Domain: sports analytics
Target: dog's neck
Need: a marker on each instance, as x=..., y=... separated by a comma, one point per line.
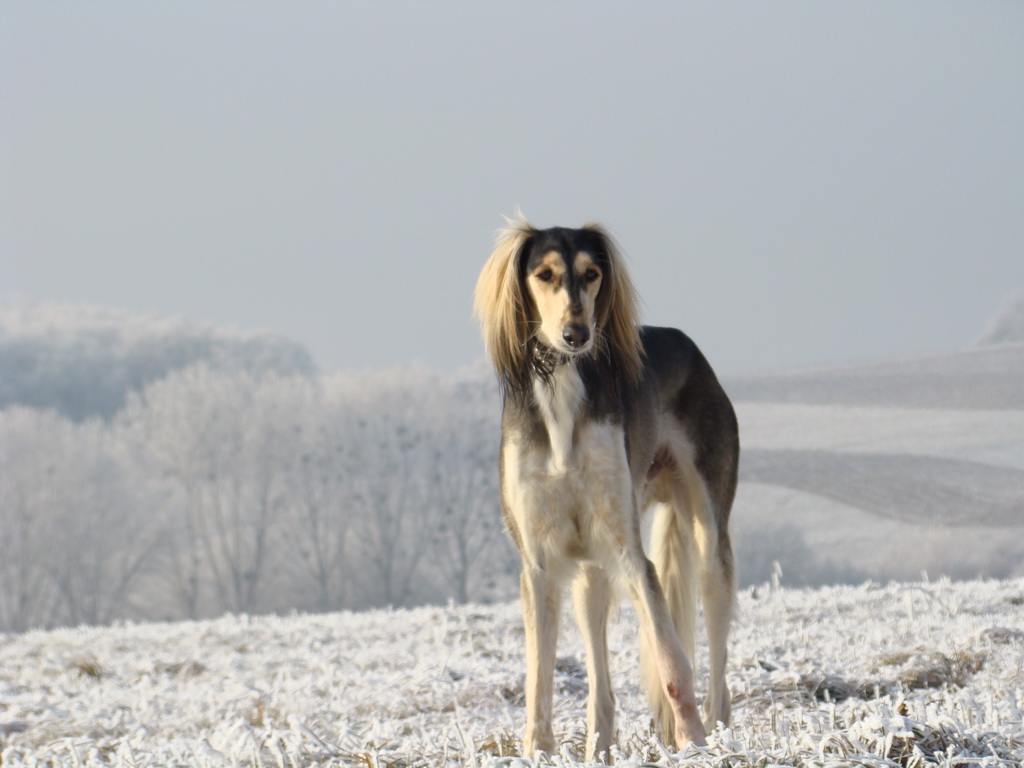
x=544, y=360
x=558, y=392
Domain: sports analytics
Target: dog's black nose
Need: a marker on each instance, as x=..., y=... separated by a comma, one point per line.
x=576, y=335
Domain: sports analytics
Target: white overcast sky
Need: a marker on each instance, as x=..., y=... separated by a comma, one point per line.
x=794, y=183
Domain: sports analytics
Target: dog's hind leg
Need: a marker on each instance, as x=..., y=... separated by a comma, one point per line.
x=672, y=554
x=592, y=597
x=717, y=590
x=541, y=598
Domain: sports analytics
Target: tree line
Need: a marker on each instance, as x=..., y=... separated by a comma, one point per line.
x=217, y=491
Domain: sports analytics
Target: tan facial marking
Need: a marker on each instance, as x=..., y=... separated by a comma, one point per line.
x=589, y=273
x=549, y=289
x=551, y=269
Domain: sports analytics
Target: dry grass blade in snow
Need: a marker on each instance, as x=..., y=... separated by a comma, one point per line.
x=903, y=675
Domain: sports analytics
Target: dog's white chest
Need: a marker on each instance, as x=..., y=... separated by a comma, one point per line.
x=559, y=401
x=582, y=513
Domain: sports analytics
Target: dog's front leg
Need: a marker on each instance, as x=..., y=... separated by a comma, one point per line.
x=541, y=605
x=592, y=594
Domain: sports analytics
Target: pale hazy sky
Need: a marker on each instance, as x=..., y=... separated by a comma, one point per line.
x=794, y=183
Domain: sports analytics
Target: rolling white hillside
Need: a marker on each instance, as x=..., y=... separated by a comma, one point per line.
x=889, y=469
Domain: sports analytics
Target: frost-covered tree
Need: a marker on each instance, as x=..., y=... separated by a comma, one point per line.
x=106, y=532
x=222, y=438
x=28, y=470
x=74, y=534
x=318, y=498
x=390, y=477
x=392, y=492
x=468, y=549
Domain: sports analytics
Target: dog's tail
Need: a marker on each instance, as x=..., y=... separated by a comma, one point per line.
x=672, y=553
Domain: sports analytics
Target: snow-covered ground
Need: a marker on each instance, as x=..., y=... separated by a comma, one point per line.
x=905, y=674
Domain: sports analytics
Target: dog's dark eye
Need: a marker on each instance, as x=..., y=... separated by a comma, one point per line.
x=591, y=275
x=545, y=276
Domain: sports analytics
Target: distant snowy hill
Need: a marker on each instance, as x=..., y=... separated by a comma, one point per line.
x=82, y=361
x=1007, y=326
x=892, y=467
x=983, y=378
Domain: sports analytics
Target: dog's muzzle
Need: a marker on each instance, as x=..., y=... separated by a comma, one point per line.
x=576, y=335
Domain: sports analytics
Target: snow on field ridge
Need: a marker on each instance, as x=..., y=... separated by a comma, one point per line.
x=908, y=674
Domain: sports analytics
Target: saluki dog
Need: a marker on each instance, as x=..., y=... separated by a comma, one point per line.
x=601, y=420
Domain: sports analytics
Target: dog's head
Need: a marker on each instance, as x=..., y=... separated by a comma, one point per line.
x=562, y=293
x=562, y=270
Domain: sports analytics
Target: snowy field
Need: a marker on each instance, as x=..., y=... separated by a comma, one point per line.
x=856, y=458
x=905, y=674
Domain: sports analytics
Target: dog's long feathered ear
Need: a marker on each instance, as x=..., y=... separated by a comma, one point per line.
x=617, y=311
x=499, y=304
